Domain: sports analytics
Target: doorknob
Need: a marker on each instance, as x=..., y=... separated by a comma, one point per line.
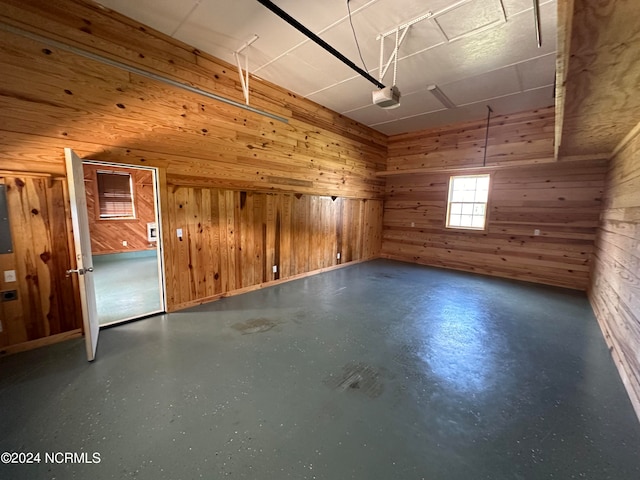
x=79, y=271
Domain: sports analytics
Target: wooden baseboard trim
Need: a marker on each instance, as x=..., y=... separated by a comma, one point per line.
x=239, y=291
x=40, y=342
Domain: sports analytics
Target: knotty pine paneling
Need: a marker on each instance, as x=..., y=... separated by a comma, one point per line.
x=107, y=234
x=518, y=139
x=615, y=284
x=207, y=152
x=47, y=302
x=562, y=200
x=232, y=239
x=52, y=99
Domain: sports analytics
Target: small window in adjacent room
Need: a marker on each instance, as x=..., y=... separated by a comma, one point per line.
x=467, y=205
x=115, y=195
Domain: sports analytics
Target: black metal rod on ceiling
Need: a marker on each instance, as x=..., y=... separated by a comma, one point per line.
x=486, y=136
x=536, y=15
x=312, y=36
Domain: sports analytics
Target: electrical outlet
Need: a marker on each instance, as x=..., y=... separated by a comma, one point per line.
x=338, y=256
x=179, y=232
x=413, y=224
x=9, y=276
x=0, y=326
x=275, y=269
x=536, y=232
x=124, y=243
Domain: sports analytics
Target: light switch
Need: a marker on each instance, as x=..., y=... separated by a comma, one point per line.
x=10, y=276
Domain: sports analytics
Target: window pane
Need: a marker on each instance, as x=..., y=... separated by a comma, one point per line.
x=469, y=196
x=482, y=196
x=478, y=222
x=114, y=195
x=483, y=183
x=458, y=183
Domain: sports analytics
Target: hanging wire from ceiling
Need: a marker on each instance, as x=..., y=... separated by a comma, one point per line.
x=355, y=36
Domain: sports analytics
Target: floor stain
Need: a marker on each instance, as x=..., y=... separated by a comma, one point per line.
x=357, y=377
x=256, y=325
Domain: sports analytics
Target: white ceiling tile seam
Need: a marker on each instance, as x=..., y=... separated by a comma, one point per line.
x=187, y=16
x=418, y=52
x=444, y=85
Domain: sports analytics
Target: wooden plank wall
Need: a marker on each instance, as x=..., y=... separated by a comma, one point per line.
x=107, y=234
x=562, y=200
x=47, y=300
x=232, y=239
x=520, y=139
x=615, y=287
x=51, y=98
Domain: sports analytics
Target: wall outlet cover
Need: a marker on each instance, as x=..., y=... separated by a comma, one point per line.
x=10, y=276
x=275, y=269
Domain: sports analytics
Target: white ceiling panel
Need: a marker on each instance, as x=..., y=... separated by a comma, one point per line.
x=163, y=15
x=419, y=103
x=491, y=60
x=486, y=86
x=532, y=99
x=471, y=16
x=537, y=72
x=346, y=96
x=236, y=22
x=308, y=77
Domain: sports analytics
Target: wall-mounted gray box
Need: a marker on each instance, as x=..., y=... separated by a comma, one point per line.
x=6, y=246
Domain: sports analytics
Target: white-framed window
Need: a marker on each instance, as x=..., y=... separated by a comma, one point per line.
x=115, y=195
x=467, y=203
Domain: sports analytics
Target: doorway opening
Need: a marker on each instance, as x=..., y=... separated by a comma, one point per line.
x=124, y=226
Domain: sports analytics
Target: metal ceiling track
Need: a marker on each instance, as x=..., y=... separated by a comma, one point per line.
x=315, y=38
x=138, y=71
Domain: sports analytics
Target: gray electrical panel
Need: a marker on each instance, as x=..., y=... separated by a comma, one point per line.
x=5, y=232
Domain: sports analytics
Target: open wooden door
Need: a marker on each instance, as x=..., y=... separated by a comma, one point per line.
x=82, y=241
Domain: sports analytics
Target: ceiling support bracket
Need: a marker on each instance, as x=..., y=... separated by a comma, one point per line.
x=244, y=73
x=384, y=67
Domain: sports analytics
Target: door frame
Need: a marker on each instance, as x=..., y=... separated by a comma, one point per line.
x=158, y=220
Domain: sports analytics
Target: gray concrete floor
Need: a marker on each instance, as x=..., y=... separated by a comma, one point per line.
x=126, y=286
x=381, y=370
